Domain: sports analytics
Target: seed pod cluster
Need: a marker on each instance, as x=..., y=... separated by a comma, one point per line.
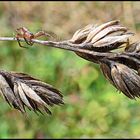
x=122, y=69
x=103, y=38
x=122, y=77
x=21, y=90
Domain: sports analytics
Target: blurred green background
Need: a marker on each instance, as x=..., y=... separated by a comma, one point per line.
x=93, y=108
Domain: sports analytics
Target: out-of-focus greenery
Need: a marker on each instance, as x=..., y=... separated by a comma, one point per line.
x=93, y=108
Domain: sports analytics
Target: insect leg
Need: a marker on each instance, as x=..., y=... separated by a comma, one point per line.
x=20, y=43
x=29, y=42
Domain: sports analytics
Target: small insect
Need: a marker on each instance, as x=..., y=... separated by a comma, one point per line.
x=23, y=32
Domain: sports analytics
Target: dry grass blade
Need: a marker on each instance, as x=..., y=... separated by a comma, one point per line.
x=21, y=90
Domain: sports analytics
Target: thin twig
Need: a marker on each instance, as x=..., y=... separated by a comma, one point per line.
x=66, y=45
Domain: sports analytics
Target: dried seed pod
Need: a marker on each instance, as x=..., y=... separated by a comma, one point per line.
x=108, y=36
x=111, y=42
x=81, y=34
x=122, y=77
x=103, y=38
x=134, y=47
x=104, y=29
x=21, y=90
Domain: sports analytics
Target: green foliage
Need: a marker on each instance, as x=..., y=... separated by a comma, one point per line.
x=93, y=108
